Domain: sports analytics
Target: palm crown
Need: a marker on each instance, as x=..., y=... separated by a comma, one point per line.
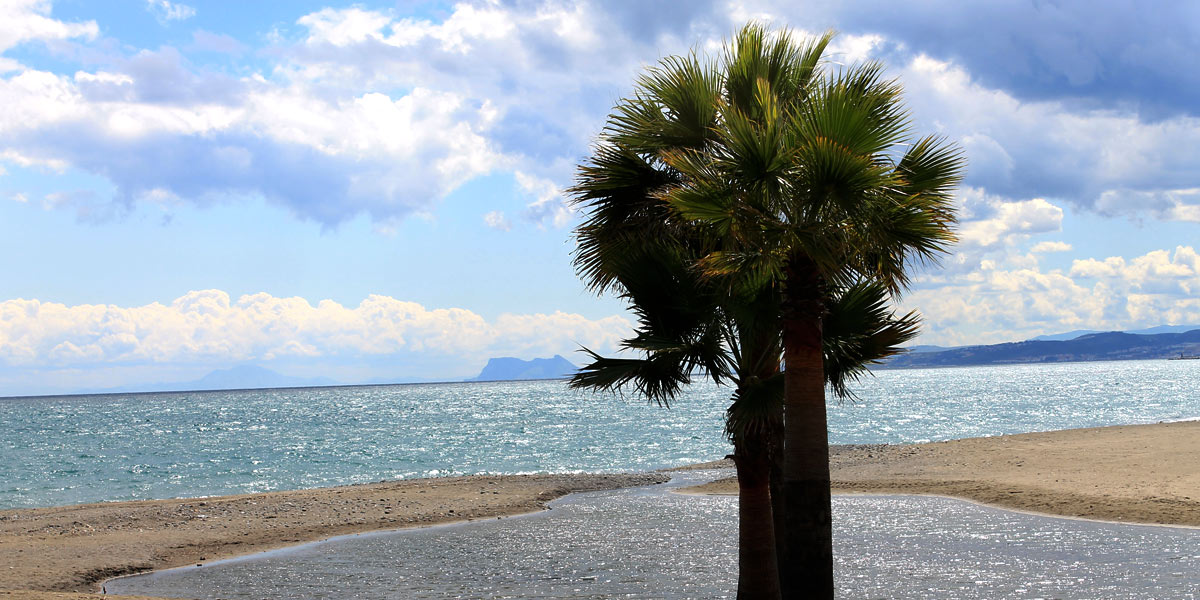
x=709, y=178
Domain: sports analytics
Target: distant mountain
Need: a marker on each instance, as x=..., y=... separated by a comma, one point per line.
x=244, y=377
x=507, y=369
x=1113, y=345
x=1062, y=337
x=251, y=377
x=1078, y=333
x=1165, y=329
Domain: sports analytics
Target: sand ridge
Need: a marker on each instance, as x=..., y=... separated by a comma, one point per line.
x=1134, y=473
x=75, y=548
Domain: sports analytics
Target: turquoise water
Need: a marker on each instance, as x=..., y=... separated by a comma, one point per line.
x=65, y=450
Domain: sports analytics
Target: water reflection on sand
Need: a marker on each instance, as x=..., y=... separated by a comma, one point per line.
x=648, y=542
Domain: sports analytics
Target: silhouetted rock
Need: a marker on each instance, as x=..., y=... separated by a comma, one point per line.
x=508, y=369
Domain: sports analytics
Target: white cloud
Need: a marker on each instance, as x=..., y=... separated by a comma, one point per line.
x=549, y=72
x=29, y=20
x=1168, y=205
x=1055, y=246
x=549, y=205
x=849, y=49
x=166, y=11
x=87, y=206
x=520, y=87
x=466, y=26
x=497, y=220
x=1107, y=160
x=991, y=230
x=344, y=27
x=489, y=88
x=1007, y=222
x=325, y=159
x=1007, y=302
x=208, y=327
x=1155, y=272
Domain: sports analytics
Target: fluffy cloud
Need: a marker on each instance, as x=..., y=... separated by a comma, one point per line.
x=370, y=111
x=1164, y=204
x=1044, y=247
x=549, y=205
x=154, y=122
x=1157, y=272
x=1120, y=54
x=204, y=141
x=992, y=230
x=28, y=20
x=1108, y=160
x=166, y=11
x=989, y=221
x=208, y=327
x=550, y=71
x=1003, y=302
x=497, y=220
x=364, y=111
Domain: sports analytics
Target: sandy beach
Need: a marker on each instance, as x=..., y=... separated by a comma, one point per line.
x=1136, y=473
x=1143, y=473
x=47, y=552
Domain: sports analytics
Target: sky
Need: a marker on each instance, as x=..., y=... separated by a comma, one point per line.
x=375, y=190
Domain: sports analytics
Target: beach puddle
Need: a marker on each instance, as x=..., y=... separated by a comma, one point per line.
x=649, y=543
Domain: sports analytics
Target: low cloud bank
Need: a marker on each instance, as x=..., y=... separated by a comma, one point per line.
x=209, y=327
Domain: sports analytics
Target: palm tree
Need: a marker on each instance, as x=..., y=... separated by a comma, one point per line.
x=684, y=329
x=703, y=302
x=809, y=190
x=633, y=244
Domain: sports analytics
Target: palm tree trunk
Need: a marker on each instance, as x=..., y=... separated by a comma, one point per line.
x=758, y=573
x=808, y=571
x=778, y=502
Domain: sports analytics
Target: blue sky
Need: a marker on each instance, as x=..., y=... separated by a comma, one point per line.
x=373, y=190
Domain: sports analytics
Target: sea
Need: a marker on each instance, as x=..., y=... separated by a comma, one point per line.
x=74, y=449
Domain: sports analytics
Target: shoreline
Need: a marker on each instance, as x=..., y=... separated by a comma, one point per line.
x=67, y=552
x=1123, y=474
x=1132, y=474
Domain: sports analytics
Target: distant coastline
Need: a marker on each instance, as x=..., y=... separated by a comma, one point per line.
x=1090, y=347
x=1155, y=343
x=290, y=387
x=254, y=377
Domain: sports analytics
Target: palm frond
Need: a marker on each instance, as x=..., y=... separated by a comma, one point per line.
x=658, y=380
x=715, y=181
x=756, y=407
x=859, y=330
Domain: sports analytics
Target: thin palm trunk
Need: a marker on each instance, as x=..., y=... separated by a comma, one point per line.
x=808, y=571
x=758, y=573
x=778, y=502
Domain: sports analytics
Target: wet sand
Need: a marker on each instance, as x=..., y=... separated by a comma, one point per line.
x=76, y=548
x=1135, y=474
